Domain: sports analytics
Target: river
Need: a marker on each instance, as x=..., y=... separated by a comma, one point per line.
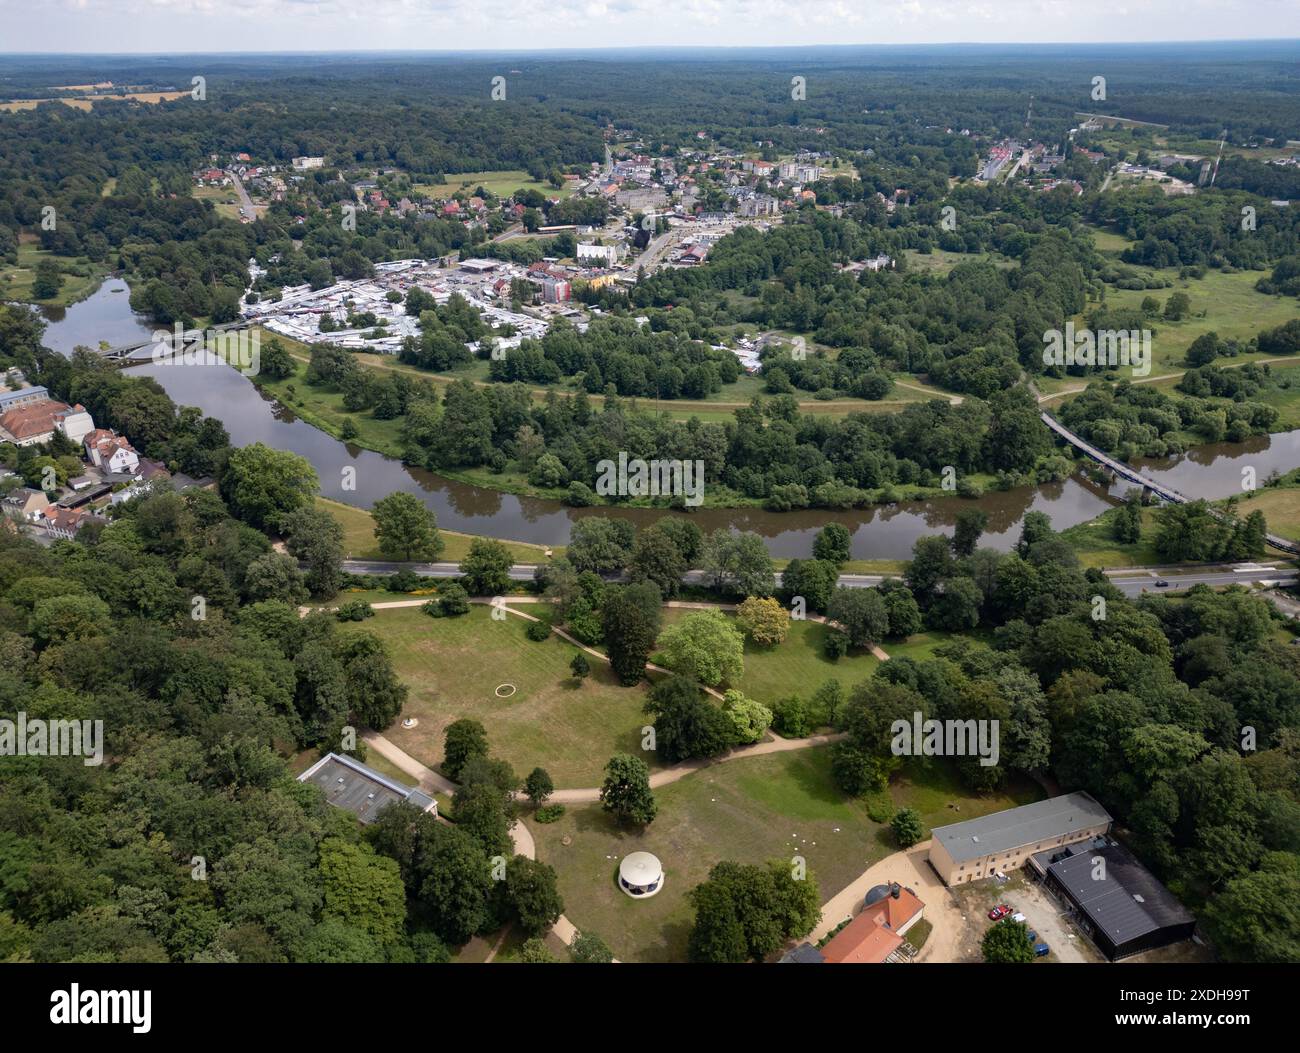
x=878, y=533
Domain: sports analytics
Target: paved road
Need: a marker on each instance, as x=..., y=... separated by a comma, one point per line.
x=245, y=202
x=1137, y=581
x=1132, y=581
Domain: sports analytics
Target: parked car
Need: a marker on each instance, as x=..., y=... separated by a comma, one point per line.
x=1033, y=936
x=1041, y=950
x=1017, y=916
x=999, y=912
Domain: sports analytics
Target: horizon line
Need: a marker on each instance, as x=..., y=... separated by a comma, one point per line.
x=896, y=45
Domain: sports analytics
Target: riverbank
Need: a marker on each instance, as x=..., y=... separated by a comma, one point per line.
x=324, y=410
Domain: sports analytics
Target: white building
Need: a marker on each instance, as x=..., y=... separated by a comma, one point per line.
x=304, y=163
x=604, y=255
x=111, y=452
x=75, y=422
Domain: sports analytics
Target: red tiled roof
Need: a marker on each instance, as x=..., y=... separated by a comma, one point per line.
x=873, y=935
x=28, y=421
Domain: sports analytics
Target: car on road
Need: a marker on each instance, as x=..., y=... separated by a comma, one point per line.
x=999, y=912
x=1161, y=583
x=1041, y=950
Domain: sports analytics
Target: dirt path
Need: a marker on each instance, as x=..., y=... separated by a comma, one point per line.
x=430, y=781
x=1167, y=376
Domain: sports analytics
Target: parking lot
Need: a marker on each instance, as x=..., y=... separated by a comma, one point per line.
x=1042, y=914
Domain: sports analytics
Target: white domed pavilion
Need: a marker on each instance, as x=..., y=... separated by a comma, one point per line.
x=640, y=875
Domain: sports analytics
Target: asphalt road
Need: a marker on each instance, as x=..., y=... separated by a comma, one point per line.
x=1132, y=581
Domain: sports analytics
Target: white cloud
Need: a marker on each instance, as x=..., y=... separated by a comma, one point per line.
x=308, y=25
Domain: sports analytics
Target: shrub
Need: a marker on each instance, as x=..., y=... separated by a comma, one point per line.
x=790, y=718
x=403, y=581
x=354, y=611
x=836, y=645
x=538, y=631
x=880, y=809
x=453, y=600
x=549, y=813
x=433, y=608
x=907, y=827
x=580, y=666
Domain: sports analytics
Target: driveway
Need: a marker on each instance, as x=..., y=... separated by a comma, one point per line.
x=1044, y=916
x=910, y=869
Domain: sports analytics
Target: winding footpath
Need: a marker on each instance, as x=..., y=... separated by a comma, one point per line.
x=432, y=782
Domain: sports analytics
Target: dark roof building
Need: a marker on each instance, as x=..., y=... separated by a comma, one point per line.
x=349, y=784
x=1120, y=904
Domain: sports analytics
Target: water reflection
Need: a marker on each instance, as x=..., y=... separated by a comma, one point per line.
x=882, y=533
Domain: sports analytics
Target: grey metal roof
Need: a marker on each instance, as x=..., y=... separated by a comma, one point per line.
x=1127, y=901
x=364, y=792
x=1016, y=827
x=804, y=954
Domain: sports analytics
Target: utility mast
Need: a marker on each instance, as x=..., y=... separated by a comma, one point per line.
x=1223, y=139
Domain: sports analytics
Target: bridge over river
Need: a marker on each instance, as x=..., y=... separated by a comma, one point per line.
x=1161, y=490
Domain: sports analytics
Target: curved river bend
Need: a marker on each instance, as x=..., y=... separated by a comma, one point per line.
x=878, y=533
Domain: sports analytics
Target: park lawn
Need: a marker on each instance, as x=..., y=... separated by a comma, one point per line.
x=1097, y=547
x=502, y=181
x=933, y=788
x=359, y=538
x=81, y=277
x=799, y=666
x=749, y=810
x=453, y=666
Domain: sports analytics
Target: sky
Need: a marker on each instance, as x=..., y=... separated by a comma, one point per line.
x=189, y=26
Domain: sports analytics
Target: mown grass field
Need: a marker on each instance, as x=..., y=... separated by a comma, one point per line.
x=359, y=538
x=453, y=667
x=799, y=665
x=81, y=277
x=750, y=811
x=503, y=182
x=223, y=198
x=1281, y=508
x=1096, y=546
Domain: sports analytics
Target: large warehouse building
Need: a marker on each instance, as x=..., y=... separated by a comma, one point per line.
x=1117, y=902
x=979, y=848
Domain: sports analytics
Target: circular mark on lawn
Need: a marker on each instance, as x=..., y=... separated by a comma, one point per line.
x=410, y=722
x=505, y=690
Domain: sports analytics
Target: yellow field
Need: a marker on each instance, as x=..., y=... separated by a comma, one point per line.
x=87, y=103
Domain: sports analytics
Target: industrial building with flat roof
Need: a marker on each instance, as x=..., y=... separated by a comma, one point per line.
x=349, y=784
x=1117, y=902
x=979, y=848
